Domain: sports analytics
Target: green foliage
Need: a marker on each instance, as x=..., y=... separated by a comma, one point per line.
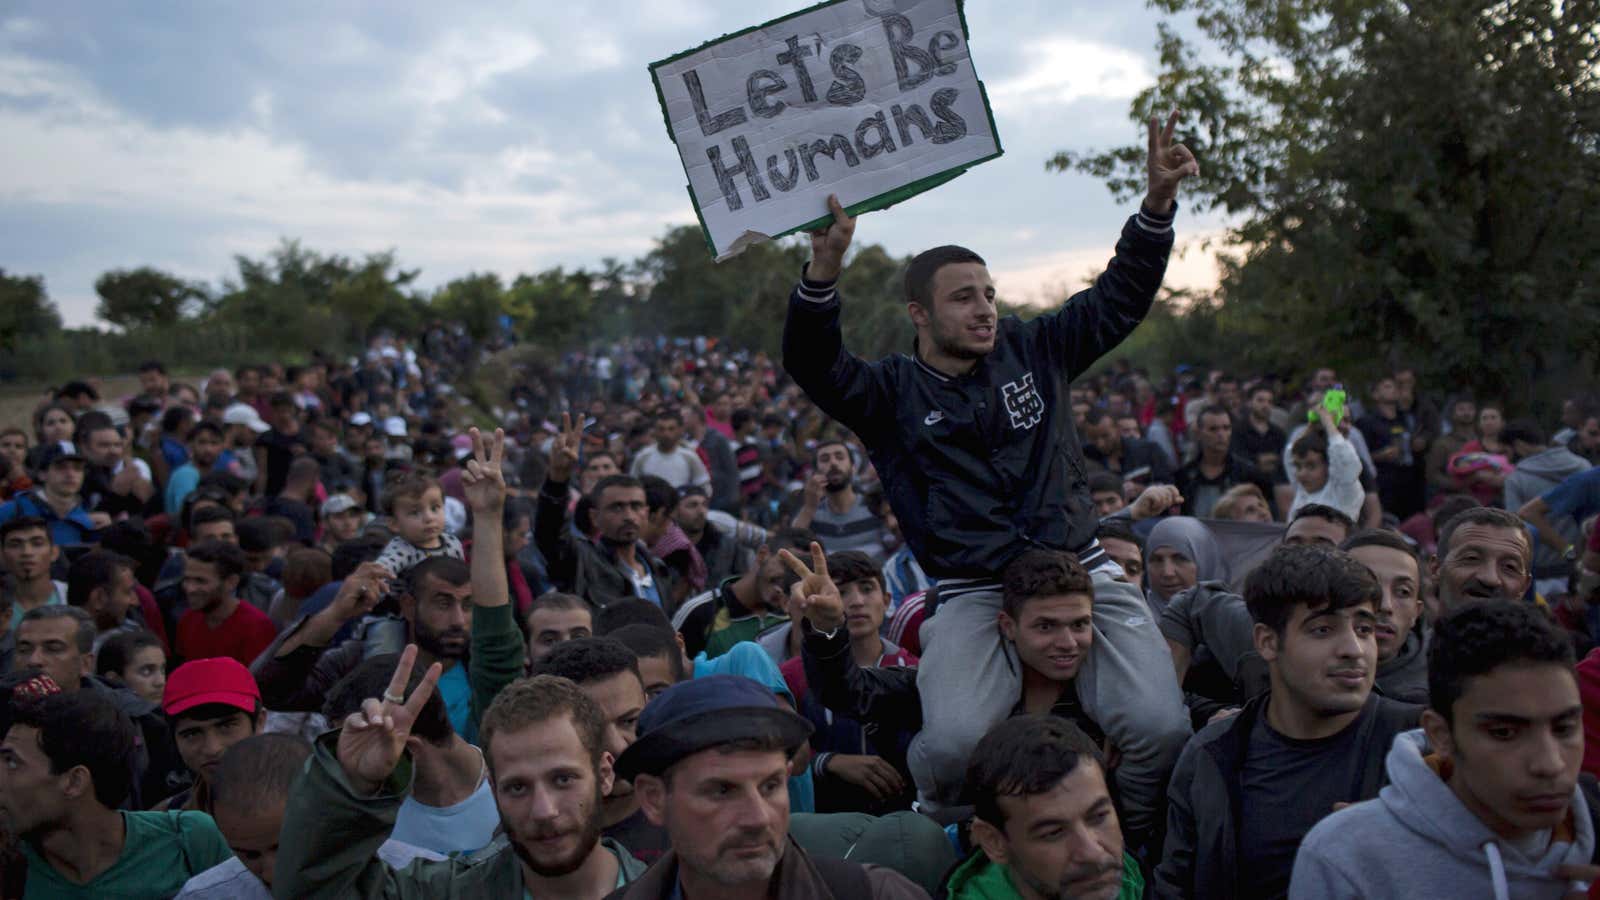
x=145, y=298
x=26, y=313
x=1406, y=181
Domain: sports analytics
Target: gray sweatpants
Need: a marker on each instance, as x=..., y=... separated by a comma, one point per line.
x=970, y=680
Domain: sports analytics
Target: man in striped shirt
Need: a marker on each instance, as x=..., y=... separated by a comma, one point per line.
x=839, y=517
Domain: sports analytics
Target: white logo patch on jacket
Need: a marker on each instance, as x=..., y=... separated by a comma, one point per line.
x=1023, y=402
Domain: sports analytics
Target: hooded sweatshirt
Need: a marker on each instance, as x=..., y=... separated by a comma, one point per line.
x=1405, y=677
x=1535, y=475
x=1418, y=840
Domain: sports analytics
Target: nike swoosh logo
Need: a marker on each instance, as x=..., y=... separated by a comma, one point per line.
x=934, y=418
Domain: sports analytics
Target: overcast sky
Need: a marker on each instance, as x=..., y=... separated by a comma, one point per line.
x=504, y=136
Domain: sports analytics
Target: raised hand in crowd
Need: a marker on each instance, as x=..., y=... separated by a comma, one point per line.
x=564, y=451
x=1169, y=163
x=372, y=740
x=360, y=592
x=483, y=481
x=815, y=593
x=1154, y=501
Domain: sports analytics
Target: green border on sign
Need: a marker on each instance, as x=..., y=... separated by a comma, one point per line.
x=881, y=201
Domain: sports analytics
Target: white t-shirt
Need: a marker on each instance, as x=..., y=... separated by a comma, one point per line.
x=230, y=880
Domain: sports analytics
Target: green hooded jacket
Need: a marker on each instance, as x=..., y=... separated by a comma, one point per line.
x=980, y=879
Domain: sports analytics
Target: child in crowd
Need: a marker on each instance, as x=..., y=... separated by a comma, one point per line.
x=134, y=660
x=1327, y=469
x=414, y=503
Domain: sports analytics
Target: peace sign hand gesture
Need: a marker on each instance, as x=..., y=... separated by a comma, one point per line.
x=1169, y=163
x=373, y=739
x=819, y=596
x=484, y=481
x=564, y=451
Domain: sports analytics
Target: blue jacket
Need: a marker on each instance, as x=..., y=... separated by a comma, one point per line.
x=982, y=466
x=70, y=531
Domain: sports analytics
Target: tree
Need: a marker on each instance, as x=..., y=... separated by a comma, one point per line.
x=145, y=297
x=25, y=310
x=476, y=301
x=1406, y=181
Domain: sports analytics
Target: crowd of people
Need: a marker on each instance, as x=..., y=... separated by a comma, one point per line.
x=689, y=621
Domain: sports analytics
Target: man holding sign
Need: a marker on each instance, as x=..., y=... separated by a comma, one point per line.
x=973, y=438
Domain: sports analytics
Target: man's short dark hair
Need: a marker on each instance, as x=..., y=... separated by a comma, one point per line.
x=1214, y=409
x=95, y=569
x=256, y=773
x=923, y=266
x=668, y=415
x=74, y=389
x=85, y=728
x=1307, y=575
x=540, y=698
x=447, y=569
x=1326, y=513
x=816, y=452
x=612, y=481
x=559, y=600
x=175, y=418
x=90, y=422
x=1041, y=573
x=741, y=418
x=1095, y=416
x=228, y=559
x=1525, y=430
x=849, y=566
x=204, y=426
x=349, y=555
x=1480, y=636
x=1021, y=757
x=1383, y=537
x=659, y=494
x=583, y=660
x=1102, y=482
x=649, y=642
x=1489, y=516
x=223, y=481
x=86, y=628
x=205, y=515
x=629, y=611
x=261, y=534
x=152, y=365
x=25, y=523
x=1119, y=528
x=371, y=679
x=795, y=540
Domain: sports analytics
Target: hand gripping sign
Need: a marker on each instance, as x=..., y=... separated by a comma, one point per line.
x=873, y=100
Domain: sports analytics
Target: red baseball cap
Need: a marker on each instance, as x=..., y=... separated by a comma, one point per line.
x=218, y=680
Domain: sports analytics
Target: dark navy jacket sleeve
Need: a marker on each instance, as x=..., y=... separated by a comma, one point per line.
x=1098, y=318
x=840, y=383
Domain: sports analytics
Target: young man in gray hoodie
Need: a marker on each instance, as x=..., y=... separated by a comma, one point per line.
x=1484, y=799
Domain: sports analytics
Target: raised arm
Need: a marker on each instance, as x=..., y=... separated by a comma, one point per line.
x=497, y=650
x=550, y=516
x=1095, y=320
x=837, y=381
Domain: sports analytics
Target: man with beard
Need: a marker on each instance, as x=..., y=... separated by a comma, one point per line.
x=618, y=564
x=1248, y=787
x=608, y=672
x=445, y=605
x=710, y=767
x=839, y=517
x=739, y=609
x=114, y=481
x=1217, y=469
x=543, y=748
x=1484, y=554
x=101, y=584
x=980, y=460
x=218, y=623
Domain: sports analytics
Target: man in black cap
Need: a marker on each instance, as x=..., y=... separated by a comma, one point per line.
x=711, y=765
x=58, y=501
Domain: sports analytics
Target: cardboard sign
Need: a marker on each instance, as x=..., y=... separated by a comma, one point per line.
x=873, y=100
